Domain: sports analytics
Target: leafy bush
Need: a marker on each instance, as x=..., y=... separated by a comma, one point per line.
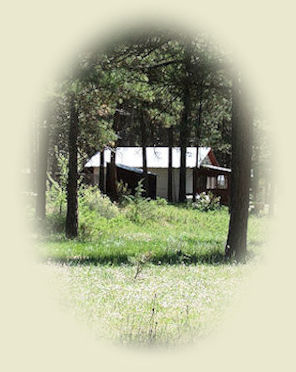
x=92, y=199
x=139, y=209
x=161, y=202
x=56, y=199
x=90, y=225
x=54, y=224
x=122, y=192
x=206, y=202
x=95, y=210
x=136, y=204
x=56, y=194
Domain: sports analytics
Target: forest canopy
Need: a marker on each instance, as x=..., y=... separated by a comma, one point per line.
x=146, y=89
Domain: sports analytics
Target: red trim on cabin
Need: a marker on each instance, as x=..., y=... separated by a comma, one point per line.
x=213, y=159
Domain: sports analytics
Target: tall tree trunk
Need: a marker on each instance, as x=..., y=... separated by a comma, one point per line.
x=102, y=172
x=144, y=153
x=182, y=181
x=240, y=176
x=113, y=176
x=43, y=142
x=170, y=165
x=113, y=171
x=72, y=185
x=197, y=140
x=185, y=124
x=194, y=180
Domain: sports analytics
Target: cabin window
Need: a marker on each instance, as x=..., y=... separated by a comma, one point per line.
x=221, y=182
x=211, y=183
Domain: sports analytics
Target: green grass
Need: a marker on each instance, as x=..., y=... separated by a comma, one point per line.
x=178, y=235
x=176, y=297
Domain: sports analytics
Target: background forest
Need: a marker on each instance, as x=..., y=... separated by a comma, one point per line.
x=154, y=88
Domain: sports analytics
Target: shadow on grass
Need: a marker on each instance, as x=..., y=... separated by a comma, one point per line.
x=176, y=258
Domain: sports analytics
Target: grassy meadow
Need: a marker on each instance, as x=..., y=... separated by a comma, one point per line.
x=148, y=275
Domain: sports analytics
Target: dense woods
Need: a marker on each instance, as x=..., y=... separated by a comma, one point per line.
x=154, y=89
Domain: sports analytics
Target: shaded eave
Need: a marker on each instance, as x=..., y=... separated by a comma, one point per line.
x=132, y=169
x=215, y=169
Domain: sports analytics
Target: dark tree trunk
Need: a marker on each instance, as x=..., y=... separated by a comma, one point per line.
x=183, y=146
x=182, y=182
x=194, y=181
x=102, y=172
x=113, y=192
x=144, y=154
x=72, y=185
x=113, y=176
x=170, y=165
x=240, y=176
x=43, y=142
x=185, y=123
x=197, y=140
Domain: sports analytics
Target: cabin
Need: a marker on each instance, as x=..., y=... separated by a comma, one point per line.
x=129, y=163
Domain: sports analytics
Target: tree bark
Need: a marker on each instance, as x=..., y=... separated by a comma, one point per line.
x=43, y=142
x=182, y=182
x=113, y=171
x=240, y=176
x=102, y=172
x=194, y=181
x=185, y=124
x=113, y=176
x=144, y=154
x=72, y=185
x=170, y=165
x=197, y=140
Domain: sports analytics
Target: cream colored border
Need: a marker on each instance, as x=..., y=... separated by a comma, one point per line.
x=39, y=38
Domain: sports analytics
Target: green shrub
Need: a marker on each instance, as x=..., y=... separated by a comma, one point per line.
x=206, y=202
x=161, y=202
x=54, y=223
x=122, y=191
x=142, y=210
x=94, y=211
x=56, y=195
x=56, y=199
x=136, y=205
x=90, y=226
x=91, y=198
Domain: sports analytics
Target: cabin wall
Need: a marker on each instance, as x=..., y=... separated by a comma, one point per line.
x=162, y=182
x=96, y=174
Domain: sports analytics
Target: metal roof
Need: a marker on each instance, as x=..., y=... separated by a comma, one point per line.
x=157, y=157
